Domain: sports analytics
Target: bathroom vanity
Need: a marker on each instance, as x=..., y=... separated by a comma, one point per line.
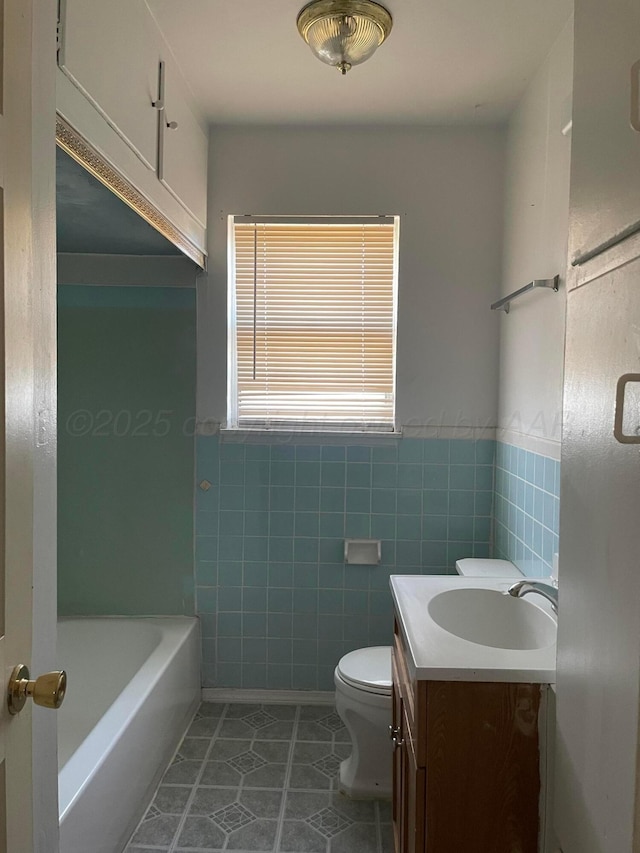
x=468, y=717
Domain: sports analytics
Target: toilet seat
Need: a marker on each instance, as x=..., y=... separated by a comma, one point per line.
x=368, y=670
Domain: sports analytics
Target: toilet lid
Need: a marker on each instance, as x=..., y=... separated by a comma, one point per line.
x=368, y=669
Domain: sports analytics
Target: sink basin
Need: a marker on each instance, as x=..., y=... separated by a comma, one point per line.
x=492, y=618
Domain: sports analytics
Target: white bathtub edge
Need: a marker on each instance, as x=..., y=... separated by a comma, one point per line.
x=152, y=786
x=115, y=793
x=268, y=697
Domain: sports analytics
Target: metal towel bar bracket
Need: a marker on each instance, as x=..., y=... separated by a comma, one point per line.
x=503, y=304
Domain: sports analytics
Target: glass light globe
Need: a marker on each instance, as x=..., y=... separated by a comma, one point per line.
x=344, y=33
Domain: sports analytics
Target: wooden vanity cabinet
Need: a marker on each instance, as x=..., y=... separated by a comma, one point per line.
x=466, y=765
x=408, y=779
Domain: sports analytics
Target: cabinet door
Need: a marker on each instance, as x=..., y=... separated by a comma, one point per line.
x=598, y=681
x=110, y=52
x=414, y=796
x=397, y=800
x=184, y=150
x=605, y=156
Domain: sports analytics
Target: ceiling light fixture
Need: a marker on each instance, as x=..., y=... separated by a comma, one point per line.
x=344, y=33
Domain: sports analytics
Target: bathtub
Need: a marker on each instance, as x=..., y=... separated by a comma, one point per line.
x=134, y=684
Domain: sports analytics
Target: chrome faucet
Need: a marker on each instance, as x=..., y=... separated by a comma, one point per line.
x=525, y=587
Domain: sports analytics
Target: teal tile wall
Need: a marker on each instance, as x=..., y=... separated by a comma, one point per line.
x=126, y=416
x=278, y=605
x=527, y=509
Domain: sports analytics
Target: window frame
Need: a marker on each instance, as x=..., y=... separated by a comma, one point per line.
x=296, y=426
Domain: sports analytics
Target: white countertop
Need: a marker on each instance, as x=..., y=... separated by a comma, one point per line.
x=436, y=654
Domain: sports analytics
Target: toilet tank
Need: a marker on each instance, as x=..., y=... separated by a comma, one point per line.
x=476, y=568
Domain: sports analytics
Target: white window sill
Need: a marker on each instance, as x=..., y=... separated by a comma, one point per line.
x=298, y=436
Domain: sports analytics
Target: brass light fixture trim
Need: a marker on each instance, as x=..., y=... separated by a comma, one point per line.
x=353, y=30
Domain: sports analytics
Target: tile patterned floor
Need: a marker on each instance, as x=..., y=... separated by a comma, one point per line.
x=261, y=778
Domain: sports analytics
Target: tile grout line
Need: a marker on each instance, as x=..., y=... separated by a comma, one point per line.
x=192, y=795
x=287, y=779
x=378, y=827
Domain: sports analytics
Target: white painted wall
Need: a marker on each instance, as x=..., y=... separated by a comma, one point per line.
x=446, y=185
x=535, y=246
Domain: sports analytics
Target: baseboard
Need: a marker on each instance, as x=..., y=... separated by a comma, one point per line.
x=268, y=697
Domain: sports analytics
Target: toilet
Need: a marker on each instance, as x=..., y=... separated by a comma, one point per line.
x=363, y=701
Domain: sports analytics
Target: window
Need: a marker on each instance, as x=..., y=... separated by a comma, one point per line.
x=312, y=323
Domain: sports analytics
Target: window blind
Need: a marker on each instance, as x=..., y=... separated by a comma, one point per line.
x=315, y=318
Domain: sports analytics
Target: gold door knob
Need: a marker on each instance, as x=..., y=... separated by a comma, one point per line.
x=47, y=690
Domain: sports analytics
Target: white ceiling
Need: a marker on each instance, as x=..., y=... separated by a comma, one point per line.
x=445, y=61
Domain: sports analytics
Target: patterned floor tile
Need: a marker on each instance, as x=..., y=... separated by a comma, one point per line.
x=331, y=722
x=259, y=719
x=278, y=712
x=201, y=833
x=278, y=730
x=258, y=835
x=220, y=773
x=263, y=804
x=281, y=712
x=328, y=822
x=203, y=727
x=241, y=756
x=316, y=765
x=194, y=747
x=246, y=761
x=342, y=736
x=357, y=838
x=138, y=849
x=239, y=710
x=159, y=830
x=301, y=805
x=206, y=801
x=299, y=837
x=305, y=776
x=328, y=764
x=321, y=723
x=211, y=709
x=182, y=772
x=313, y=731
x=306, y=752
x=273, y=751
x=232, y=817
x=223, y=750
x=171, y=799
x=269, y=776
x=315, y=712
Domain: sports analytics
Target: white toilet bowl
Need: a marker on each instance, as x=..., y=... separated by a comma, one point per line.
x=363, y=702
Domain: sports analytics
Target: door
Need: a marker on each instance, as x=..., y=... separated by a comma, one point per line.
x=598, y=673
x=28, y=799
x=605, y=155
